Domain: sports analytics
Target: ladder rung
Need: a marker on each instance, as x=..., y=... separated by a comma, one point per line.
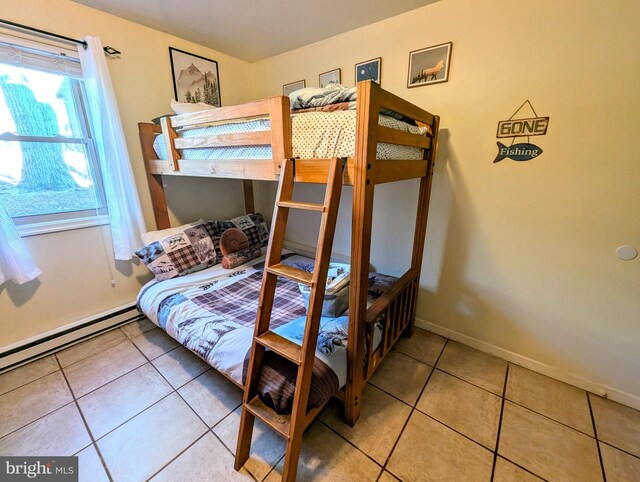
x=301, y=205
x=280, y=423
x=290, y=272
x=282, y=346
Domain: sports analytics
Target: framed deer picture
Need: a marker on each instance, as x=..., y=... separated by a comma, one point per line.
x=429, y=66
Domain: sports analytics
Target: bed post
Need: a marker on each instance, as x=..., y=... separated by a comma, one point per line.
x=147, y=134
x=421, y=220
x=249, y=203
x=280, y=122
x=362, y=214
x=170, y=135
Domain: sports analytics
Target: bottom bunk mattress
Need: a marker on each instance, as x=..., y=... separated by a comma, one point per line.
x=212, y=313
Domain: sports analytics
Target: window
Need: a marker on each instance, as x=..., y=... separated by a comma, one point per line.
x=49, y=176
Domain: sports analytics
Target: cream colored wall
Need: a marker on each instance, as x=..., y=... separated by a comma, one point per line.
x=519, y=256
x=76, y=282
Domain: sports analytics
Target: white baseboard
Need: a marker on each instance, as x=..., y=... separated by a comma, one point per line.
x=37, y=346
x=611, y=393
x=310, y=251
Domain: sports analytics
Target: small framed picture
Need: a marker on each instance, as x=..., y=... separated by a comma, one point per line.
x=331, y=77
x=429, y=66
x=369, y=70
x=195, y=78
x=293, y=86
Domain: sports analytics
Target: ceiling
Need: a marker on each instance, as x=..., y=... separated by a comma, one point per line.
x=254, y=29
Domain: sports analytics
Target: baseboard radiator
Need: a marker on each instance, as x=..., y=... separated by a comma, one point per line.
x=17, y=354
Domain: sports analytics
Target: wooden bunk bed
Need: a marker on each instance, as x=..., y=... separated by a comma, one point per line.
x=395, y=309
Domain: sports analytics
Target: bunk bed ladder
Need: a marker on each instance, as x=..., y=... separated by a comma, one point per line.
x=290, y=427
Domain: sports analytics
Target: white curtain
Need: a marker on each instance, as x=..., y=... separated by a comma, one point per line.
x=16, y=263
x=125, y=213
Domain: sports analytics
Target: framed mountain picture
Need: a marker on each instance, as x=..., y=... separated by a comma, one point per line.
x=195, y=78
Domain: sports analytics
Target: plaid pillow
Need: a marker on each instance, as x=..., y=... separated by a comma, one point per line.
x=181, y=253
x=252, y=225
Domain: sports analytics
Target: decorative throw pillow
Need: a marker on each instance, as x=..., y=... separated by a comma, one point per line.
x=251, y=225
x=181, y=253
x=188, y=108
x=151, y=236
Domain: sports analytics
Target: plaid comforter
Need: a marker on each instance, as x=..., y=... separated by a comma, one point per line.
x=212, y=313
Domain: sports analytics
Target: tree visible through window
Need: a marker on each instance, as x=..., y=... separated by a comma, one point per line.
x=47, y=158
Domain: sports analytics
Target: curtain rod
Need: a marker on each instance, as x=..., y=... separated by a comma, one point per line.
x=107, y=49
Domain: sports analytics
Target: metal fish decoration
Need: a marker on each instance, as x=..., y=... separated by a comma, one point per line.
x=517, y=152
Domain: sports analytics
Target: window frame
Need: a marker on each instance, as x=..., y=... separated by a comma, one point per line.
x=67, y=220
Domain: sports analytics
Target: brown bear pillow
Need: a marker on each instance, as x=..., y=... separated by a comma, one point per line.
x=233, y=240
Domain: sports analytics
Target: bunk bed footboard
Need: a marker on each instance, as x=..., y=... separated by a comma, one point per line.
x=394, y=312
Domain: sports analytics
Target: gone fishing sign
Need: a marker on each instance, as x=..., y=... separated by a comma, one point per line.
x=520, y=128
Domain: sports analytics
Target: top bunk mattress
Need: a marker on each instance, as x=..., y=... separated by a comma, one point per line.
x=316, y=135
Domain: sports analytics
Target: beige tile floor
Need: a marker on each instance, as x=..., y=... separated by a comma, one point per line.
x=135, y=406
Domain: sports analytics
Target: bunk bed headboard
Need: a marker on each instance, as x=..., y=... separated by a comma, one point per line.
x=278, y=137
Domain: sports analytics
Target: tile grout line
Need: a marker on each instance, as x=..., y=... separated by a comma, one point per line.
x=149, y=361
x=274, y=467
x=391, y=394
x=83, y=448
x=37, y=419
x=466, y=381
x=460, y=433
x=231, y=452
x=495, y=451
x=227, y=448
x=621, y=450
x=448, y=373
x=133, y=416
x=224, y=418
x=384, y=466
x=410, y=356
x=73, y=395
x=102, y=348
x=150, y=406
x=86, y=425
x=349, y=442
x=175, y=390
x=161, y=354
x=322, y=422
x=379, y=475
x=30, y=381
x=177, y=455
x=595, y=433
x=65, y=346
x=550, y=419
x=522, y=468
x=454, y=430
x=209, y=429
x=110, y=381
x=54, y=354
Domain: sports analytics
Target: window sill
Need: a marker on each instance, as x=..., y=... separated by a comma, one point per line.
x=34, y=229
